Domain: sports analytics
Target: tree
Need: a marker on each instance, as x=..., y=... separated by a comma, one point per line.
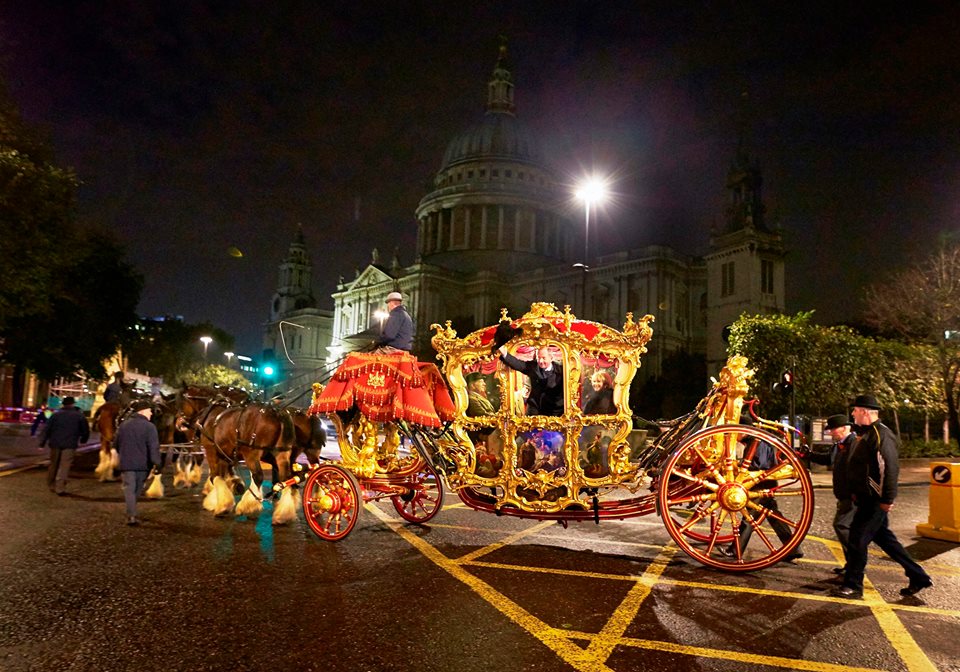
x=67, y=298
x=215, y=374
x=831, y=365
x=922, y=305
x=170, y=348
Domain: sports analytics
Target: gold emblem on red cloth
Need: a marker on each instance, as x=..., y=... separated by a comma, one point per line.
x=376, y=380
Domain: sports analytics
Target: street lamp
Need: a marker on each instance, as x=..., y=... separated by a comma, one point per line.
x=592, y=191
x=381, y=315
x=206, y=340
x=229, y=356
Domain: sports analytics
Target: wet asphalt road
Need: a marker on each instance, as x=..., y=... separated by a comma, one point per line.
x=185, y=591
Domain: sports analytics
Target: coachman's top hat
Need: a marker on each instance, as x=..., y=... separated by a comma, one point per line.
x=867, y=401
x=837, y=421
x=68, y=401
x=138, y=406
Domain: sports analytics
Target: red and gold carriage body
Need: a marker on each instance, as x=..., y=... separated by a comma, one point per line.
x=584, y=460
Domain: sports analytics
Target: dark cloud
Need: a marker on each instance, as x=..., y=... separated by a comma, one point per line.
x=204, y=125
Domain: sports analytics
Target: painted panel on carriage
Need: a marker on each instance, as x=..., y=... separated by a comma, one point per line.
x=594, y=442
x=597, y=375
x=483, y=389
x=541, y=450
x=489, y=450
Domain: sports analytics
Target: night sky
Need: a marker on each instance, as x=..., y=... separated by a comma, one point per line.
x=197, y=126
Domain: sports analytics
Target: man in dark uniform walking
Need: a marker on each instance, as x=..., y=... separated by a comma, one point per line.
x=64, y=431
x=872, y=472
x=139, y=446
x=839, y=427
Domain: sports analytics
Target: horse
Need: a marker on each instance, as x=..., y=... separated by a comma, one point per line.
x=229, y=433
x=106, y=420
x=310, y=436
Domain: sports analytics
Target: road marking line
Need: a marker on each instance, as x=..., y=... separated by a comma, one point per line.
x=569, y=652
x=11, y=472
x=724, y=654
x=505, y=542
x=666, y=581
x=610, y=636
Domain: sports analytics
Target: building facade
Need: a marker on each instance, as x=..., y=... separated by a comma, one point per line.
x=496, y=231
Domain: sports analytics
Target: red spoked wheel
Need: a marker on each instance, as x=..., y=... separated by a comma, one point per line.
x=331, y=501
x=729, y=499
x=424, y=499
x=700, y=533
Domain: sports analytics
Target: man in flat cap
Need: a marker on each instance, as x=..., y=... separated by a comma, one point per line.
x=65, y=431
x=397, y=331
x=872, y=472
x=139, y=446
x=840, y=429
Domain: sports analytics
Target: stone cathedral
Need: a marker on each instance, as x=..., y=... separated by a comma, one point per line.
x=496, y=231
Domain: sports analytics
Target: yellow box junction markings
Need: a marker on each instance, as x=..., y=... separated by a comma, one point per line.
x=601, y=645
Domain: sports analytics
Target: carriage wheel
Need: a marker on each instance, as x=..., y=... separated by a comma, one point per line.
x=725, y=496
x=331, y=501
x=702, y=533
x=424, y=499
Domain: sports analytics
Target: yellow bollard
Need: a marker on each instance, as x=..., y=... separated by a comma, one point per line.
x=944, y=520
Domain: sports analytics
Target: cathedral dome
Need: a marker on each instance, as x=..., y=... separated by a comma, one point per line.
x=499, y=136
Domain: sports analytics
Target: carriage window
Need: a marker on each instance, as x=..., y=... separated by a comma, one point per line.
x=488, y=444
x=483, y=392
x=536, y=384
x=541, y=450
x=596, y=385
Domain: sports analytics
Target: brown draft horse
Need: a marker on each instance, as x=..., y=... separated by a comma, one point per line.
x=310, y=436
x=230, y=433
x=106, y=420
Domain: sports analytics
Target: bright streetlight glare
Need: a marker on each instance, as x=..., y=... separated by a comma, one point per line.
x=268, y=370
x=229, y=356
x=206, y=340
x=593, y=190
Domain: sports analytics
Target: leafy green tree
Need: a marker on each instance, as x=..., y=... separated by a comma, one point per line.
x=215, y=374
x=67, y=297
x=922, y=305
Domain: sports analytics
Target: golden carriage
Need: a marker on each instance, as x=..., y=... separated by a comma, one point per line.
x=404, y=430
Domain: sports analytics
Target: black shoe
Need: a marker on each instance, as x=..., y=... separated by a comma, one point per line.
x=839, y=571
x=796, y=555
x=916, y=585
x=847, y=592
x=61, y=493
x=132, y=520
x=726, y=551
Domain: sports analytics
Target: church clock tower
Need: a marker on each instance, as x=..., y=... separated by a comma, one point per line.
x=745, y=265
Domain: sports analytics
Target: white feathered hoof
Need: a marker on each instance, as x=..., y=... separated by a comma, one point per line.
x=285, y=510
x=219, y=500
x=180, y=476
x=104, y=470
x=249, y=505
x=207, y=486
x=194, y=476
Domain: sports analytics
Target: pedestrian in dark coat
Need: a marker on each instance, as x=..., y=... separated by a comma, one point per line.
x=872, y=471
x=839, y=427
x=139, y=446
x=65, y=431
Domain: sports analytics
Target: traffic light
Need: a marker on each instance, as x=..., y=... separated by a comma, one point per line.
x=785, y=384
x=268, y=370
